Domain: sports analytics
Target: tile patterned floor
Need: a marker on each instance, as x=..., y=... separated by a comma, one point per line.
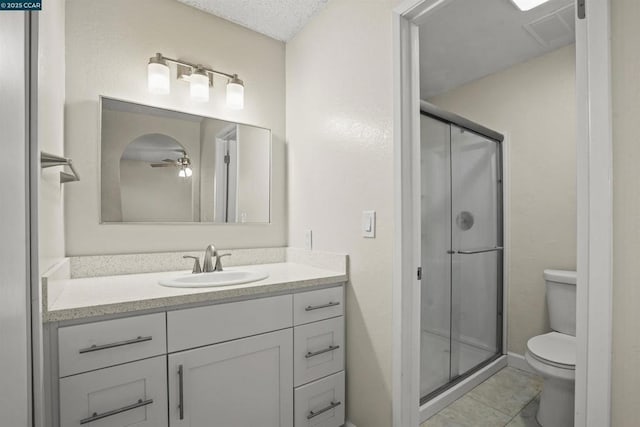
x=509, y=398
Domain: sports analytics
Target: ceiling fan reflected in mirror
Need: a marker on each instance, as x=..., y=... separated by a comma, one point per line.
x=183, y=164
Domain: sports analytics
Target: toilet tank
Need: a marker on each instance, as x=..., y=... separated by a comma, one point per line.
x=561, y=299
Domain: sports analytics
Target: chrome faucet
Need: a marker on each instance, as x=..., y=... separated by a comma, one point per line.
x=209, y=265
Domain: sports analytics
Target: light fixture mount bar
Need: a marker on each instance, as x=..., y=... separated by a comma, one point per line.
x=183, y=72
x=193, y=66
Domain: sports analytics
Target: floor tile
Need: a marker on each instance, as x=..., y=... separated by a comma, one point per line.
x=468, y=412
x=527, y=417
x=508, y=391
x=440, y=421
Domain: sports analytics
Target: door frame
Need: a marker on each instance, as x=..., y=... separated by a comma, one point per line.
x=16, y=256
x=594, y=214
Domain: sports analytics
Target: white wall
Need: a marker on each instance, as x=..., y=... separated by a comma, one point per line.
x=340, y=162
x=108, y=46
x=626, y=211
x=534, y=103
x=51, y=87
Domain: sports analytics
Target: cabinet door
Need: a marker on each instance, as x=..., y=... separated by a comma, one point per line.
x=133, y=394
x=246, y=382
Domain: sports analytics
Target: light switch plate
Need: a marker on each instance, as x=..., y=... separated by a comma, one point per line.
x=369, y=224
x=308, y=239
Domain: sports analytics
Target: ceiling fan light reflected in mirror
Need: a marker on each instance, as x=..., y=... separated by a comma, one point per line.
x=182, y=163
x=185, y=172
x=525, y=5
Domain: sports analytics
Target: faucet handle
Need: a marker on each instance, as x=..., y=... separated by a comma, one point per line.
x=196, y=265
x=218, y=263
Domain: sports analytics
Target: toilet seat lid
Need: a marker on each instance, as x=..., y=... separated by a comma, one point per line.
x=555, y=349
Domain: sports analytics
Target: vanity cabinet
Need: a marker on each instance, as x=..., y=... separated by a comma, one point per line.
x=274, y=361
x=245, y=382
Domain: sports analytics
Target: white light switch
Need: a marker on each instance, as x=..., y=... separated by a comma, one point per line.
x=369, y=224
x=308, y=240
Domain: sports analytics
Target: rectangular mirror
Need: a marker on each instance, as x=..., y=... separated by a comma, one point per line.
x=165, y=166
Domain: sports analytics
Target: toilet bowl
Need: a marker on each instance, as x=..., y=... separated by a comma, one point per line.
x=553, y=355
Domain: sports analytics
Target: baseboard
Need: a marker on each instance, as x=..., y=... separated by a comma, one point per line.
x=518, y=361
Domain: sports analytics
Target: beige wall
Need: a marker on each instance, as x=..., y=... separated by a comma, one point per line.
x=626, y=211
x=340, y=162
x=108, y=46
x=534, y=104
x=145, y=193
x=51, y=131
x=119, y=129
x=253, y=174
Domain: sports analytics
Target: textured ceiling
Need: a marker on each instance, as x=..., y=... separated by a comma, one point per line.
x=466, y=40
x=279, y=19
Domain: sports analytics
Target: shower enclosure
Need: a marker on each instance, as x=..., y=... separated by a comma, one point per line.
x=461, y=246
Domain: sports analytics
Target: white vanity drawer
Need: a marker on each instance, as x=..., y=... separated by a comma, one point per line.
x=195, y=327
x=317, y=305
x=133, y=394
x=321, y=403
x=83, y=348
x=318, y=350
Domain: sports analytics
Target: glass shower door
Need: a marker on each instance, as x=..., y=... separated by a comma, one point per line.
x=476, y=235
x=435, y=320
x=461, y=240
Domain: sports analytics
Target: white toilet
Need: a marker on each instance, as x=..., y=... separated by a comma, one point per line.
x=553, y=355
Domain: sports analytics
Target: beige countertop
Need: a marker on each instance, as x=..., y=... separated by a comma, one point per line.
x=67, y=299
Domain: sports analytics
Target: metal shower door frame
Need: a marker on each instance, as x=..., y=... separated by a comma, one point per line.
x=452, y=119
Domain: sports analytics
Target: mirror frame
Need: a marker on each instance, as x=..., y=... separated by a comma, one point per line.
x=186, y=223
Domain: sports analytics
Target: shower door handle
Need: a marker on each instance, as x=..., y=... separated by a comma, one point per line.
x=481, y=251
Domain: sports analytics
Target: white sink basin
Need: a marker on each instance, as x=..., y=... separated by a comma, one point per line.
x=214, y=279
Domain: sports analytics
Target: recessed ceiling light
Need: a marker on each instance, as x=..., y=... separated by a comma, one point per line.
x=525, y=5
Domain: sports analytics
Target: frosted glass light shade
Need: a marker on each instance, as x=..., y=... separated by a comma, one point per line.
x=199, y=86
x=188, y=172
x=525, y=5
x=235, y=94
x=158, y=78
x=182, y=173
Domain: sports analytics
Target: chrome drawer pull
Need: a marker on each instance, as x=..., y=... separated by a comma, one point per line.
x=326, y=350
x=95, y=417
x=115, y=344
x=313, y=414
x=481, y=251
x=317, y=307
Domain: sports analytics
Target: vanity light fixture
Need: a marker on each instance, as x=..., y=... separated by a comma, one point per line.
x=158, y=76
x=235, y=93
x=525, y=5
x=199, y=77
x=199, y=85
